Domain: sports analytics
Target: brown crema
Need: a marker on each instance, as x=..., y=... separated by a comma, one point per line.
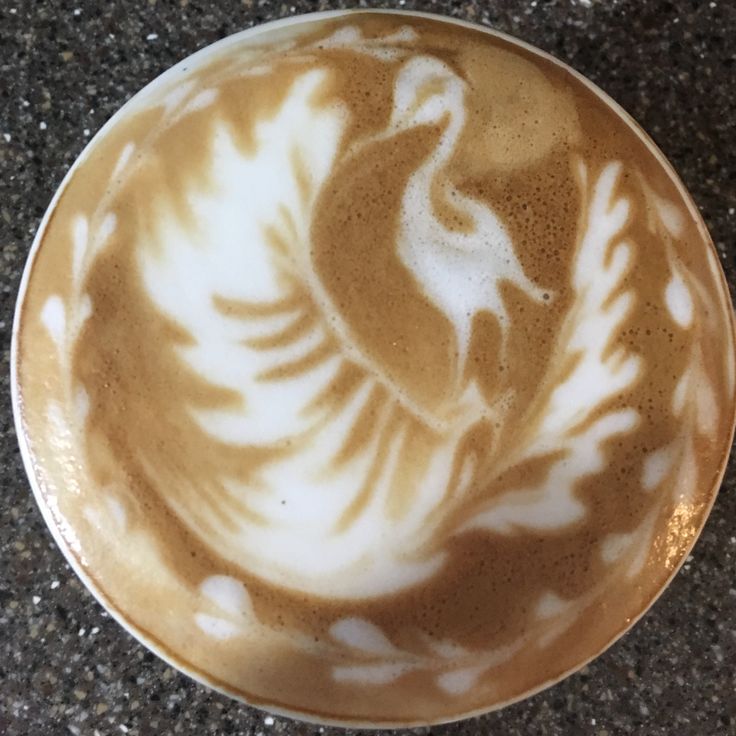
x=575, y=413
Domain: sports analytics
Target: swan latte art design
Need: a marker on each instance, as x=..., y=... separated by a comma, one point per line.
x=375, y=368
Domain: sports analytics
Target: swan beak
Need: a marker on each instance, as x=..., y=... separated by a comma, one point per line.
x=426, y=106
x=433, y=87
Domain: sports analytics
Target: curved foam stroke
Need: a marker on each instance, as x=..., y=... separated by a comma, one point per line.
x=600, y=307
x=459, y=271
x=264, y=330
x=313, y=513
x=227, y=257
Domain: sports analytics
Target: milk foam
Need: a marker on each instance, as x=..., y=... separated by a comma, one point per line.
x=348, y=372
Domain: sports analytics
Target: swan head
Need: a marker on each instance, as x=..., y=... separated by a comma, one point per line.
x=425, y=92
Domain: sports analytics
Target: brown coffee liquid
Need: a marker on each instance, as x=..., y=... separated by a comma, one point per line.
x=507, y=320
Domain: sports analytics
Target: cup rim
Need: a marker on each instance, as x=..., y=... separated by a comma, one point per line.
x=170, y=657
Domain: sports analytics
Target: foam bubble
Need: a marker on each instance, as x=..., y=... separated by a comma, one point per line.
x=53, y=316
x=550, y=605
x=361, y=634
x=679, y=302
x=217, y=628
x=229, y=594
x=656, y=466
x=460, y=681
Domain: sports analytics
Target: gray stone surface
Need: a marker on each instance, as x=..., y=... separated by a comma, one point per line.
x=65, y=67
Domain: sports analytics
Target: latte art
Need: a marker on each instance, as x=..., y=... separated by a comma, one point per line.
x=375, y=368
x=357, y=444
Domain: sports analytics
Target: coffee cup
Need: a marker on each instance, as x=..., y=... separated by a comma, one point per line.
x=374, y=368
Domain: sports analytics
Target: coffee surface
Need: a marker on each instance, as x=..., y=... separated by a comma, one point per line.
x=375, y=368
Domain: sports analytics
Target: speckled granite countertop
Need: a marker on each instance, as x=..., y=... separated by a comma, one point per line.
x=65, y=67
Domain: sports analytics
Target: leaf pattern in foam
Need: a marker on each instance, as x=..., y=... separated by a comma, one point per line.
x=233, y=262
x=357, y=633
x=261, y=328
x=599, y=373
